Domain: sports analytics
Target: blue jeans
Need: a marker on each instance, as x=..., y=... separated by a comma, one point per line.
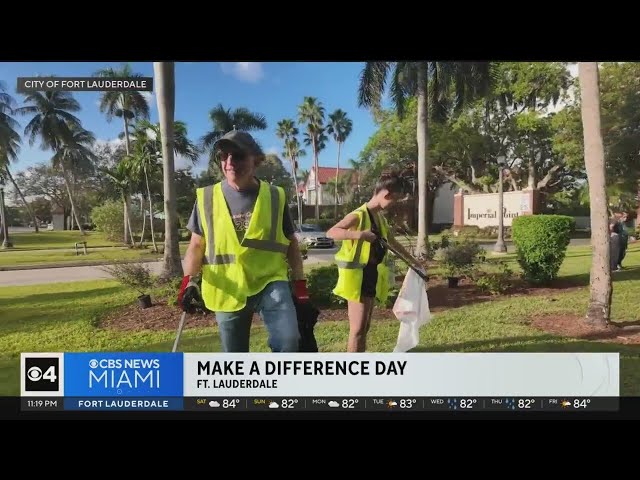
x=275, y=305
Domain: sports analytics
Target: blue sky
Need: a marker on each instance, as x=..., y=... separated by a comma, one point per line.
x=273, y=89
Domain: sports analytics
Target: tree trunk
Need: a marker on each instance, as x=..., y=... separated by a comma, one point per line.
x=295, y=183
x=28, y=207
x=337, y=173
x=601, y=288
x=298, y=196
x=531, y=183
x=423, y=164
x=144, y=220
x=153, y=235
x=128, y=235
x=165, y=89
x=73, y=205
x=315, y=177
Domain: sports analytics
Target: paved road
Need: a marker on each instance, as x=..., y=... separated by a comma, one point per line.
x=75, y=274
x=71, y=274
x=56, y=275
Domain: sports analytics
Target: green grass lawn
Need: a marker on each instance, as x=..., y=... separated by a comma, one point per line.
x=46, y=240
x=62, y=317
x=60, y=256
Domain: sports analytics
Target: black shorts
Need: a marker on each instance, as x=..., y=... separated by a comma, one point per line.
x=369, y=280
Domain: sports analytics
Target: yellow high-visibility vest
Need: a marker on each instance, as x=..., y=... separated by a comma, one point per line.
x=233, y=270
x=353, y=257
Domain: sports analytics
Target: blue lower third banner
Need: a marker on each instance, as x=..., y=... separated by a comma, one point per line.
x=111, y=403
x=128, y=376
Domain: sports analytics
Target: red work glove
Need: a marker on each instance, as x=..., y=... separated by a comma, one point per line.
x=189, y=292
x=300, y=291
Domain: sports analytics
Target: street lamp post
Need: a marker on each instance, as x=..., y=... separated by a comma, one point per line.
x=500, y=247
x=5, y=229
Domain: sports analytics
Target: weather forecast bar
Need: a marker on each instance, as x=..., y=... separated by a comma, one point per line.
x=324, y=404
x=431, y=404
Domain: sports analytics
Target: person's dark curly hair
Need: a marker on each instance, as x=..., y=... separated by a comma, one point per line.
x=393, y=182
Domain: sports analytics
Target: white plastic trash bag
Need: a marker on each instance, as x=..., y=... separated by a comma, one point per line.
x=412, y=309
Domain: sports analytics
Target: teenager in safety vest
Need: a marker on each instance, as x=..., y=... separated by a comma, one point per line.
x=243, y=241
x=363, y=275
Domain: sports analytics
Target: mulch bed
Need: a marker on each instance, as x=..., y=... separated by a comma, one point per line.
x=575, y=326
x=166, y=317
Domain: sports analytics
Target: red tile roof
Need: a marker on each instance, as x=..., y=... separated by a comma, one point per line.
x=326, y=174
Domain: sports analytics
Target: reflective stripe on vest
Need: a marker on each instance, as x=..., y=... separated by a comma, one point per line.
x=356, y=259
x=270, y=245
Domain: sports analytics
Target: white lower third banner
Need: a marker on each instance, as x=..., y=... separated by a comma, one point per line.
x=395, y=374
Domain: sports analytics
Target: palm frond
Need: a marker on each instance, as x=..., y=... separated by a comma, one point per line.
x=372, y=83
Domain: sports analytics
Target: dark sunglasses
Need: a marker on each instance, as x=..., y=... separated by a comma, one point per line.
x=238, y=156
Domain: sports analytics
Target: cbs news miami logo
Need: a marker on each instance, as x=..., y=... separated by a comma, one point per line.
x=41, y=374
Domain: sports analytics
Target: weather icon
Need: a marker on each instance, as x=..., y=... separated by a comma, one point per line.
x=333, y=404
x=214, y=403
x=392, y=403
x=274, y=405
x=565, y=404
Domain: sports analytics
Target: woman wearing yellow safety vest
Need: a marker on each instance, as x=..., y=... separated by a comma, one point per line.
x=243, y=243
x=363, y=275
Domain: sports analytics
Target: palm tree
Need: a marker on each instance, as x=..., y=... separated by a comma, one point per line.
x=10, y=144
x=225, y=120
x=340, y=127
x=147, y=145
x=288, y=131
x=126, y=105
x=164, y=73
x=462, y=80
x=124, y=179
x=58, y=129
x=72, y=155
x=599, y=308
x=311, y=113
x=123, y=104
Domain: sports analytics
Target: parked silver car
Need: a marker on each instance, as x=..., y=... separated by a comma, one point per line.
x=313, y=236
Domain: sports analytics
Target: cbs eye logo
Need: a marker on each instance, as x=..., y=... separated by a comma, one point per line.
x=41, y=374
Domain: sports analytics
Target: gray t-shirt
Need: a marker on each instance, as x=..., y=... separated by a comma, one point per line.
x=240, y=204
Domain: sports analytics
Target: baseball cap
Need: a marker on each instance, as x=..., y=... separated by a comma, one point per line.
x=240, y=140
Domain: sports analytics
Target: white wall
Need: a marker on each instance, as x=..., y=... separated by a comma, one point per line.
x=58, y=221
x=443, y=204
x=481, y=209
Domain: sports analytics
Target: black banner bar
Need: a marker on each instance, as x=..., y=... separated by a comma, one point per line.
x=215, y=406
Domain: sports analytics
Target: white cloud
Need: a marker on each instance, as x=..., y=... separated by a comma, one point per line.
x=113, y=143
x=181, y=162
x=273, y=150
x=149, y=96
x=250, y=72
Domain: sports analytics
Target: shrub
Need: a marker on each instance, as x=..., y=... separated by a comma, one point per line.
x=495, y=280
x=320, y=283
x=459, y=257
x=133, y=275
x=541, y=244
x=109, y=219
x=434, y=246
x=184, y=234
x=304, y=250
